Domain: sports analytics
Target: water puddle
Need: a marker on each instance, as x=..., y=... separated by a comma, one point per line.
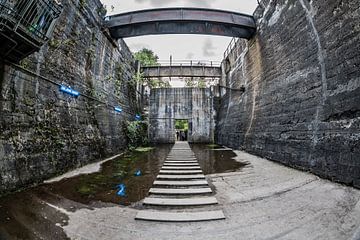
x=216, y=159
x=124, y=180
x=26, y=212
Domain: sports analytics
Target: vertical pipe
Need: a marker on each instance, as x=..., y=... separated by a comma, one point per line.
x=170, y=66
x=2, y=75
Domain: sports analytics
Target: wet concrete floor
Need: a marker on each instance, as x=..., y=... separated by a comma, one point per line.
x=27, y=214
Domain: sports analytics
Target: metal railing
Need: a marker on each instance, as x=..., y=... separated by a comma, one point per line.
x=31, y=19
x=185, y=63
x=230, y=47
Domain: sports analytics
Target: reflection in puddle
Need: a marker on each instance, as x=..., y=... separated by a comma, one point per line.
x=122, y=181
x=215, y=159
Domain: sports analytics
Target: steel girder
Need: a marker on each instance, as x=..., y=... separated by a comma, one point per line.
x=181, y=21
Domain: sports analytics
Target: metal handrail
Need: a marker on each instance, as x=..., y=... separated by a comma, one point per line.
x=185, y=63
x=32, y=18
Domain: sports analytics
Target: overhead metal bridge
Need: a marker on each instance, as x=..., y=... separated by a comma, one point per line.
x=181, y=21
x=183, y=69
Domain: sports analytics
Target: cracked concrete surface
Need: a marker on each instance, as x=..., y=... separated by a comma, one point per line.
x=263, y=201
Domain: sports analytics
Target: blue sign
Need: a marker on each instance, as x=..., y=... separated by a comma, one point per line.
x=70, y=91
x=118, y=109
x=121, y=190
x=137, y=117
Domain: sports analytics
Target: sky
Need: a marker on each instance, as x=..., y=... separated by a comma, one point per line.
x=181, y=47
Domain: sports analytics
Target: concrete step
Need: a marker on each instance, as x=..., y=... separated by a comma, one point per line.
x=181, y=149
x=181, y=183
x=190, y=154
x=181, y=202
x=168, y=161
x=181, y=171
x=179, y=177
x=180, y=168
x=181, y=153
x=185, y=154
x=181, y=164
x=181, y=191
x=162, y=216
x=181, y=159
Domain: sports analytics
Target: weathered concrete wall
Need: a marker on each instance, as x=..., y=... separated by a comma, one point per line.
x=44, y=132
x=301, y=106
x=192, y=104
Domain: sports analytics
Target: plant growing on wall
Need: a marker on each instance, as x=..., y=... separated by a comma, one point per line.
x=147, y=57
x=196, y=82
x=136, y=134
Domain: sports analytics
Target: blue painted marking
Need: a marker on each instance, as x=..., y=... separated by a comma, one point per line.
x=70, y=91
x=121, y=190
x=118, y=109
x=137, y=173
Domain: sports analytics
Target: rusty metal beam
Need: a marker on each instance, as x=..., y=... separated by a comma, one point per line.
x=181, y=21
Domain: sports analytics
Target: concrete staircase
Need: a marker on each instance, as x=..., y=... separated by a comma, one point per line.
x=180, y=193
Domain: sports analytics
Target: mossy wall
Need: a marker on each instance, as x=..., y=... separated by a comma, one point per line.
x=44, y=132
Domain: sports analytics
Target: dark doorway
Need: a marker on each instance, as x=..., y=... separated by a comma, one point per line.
x=181, y=129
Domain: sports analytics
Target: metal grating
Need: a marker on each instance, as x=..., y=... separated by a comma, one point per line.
x=25, y=25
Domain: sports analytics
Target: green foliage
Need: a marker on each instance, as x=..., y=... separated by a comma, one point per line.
x=138, y=78
x=54, y=43
x=102, y=11
x=190, y=82
x=182, y=124
x=196, y=82
x=119, y=71
x=136, y=134
x=25, y=63
x=159, y=83
x=202, y=83
x=69, y=42
x=146, y=57
x=83, y=3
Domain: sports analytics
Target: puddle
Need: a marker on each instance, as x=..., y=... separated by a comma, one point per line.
x=216, y=159
x=104, y=186
x=25, y=215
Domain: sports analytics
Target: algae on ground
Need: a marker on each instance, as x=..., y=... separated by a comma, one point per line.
x=144, y=149
x=213, y=146
x=86, y=190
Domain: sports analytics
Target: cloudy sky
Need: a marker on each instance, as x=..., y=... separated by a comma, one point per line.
x=181, y=47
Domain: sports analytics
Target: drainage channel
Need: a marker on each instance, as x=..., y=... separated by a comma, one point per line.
x=180, y=191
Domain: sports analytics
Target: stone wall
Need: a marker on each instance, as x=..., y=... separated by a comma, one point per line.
x=301, y=74
x=44, y=132
x=192, y=104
